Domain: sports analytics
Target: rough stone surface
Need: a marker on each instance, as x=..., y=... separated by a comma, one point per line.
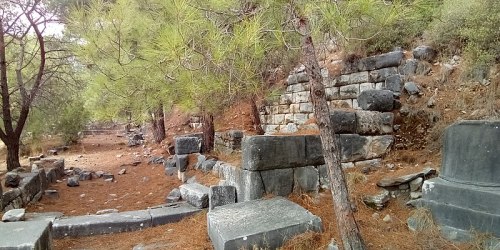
x=324, y=179
x=416, y=184
x=306, y=179
x=187, y=145
x=85, y=176
x=12, y=179
x=412, y=88
x=249, y=185
x=409, y=67
x=245, y=225
x=73, y=181
x=34, y=235
x=169, y=214
x=278, y=181
x=14, y=215
x=376, y=100
x=377, y=201
x=173, y=196
x=207, y=165
x=353, y=147
x=221, y=195
x=391, y=182
x=101, y=224
x=379, y=146
x=374, y=123
x=181, y=162
x=272, y=152
x=195, y=194
x=391, y=59
x=393, y=83
x=425, y=53
x=343, y=121
x=170, y=167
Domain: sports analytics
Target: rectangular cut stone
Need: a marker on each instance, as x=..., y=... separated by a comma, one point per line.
x=359, y=77
x=299, y=87
x=34, y=235
x=306, y=107
x=295, y=108
x=343, y=121
x=86, y=225
x=169, y=214
x=283, y=109
x=247, y=226
x=314, y=151
x=221, y=195
x=306, y=179
x=353, y=147
x=349, y=91
x=301, y=97
x=344, y=104
x=382, y=74
x=195, y=194
x=285, y=99
x=278, y=181
x=300, y=118
x=373, y=122
x=332, y=93
x=278, y=119
x=273, y=152
x=187, y=145
x=249, y=185
x=366, y=86
x=391, y=59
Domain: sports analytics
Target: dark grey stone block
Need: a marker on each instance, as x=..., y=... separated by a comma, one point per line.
x=376, y=100
x=33, y=235
x=101, y=224
x=343, y=121
x=169, y=214
x=314, y=151
x=324, y=178
x=471, y=153
x=30, y=186
x=221, y=195
x=382, y=74
x=248, y=184
x=273, y=152
x=12, y=179
x=181, y=162
x=173, y=196
x=393, y=83
x=170, y=167
x=278, y=181
x=391, y=59
x=353, y=147
x=409, y=67
x=306, y=179
x=424, y=53
x=187, y=145
x=195, y=194
x=207, y=165
x=260, y=223
x=412, y=88
x=374, y=123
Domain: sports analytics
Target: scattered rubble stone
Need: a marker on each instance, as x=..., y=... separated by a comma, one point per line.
x=12, y=179
x=14, y=215
x=377, y=201
x=387, y=218
x=412, y=88
x=73, y=181
x=173, y=196
x=122, y=171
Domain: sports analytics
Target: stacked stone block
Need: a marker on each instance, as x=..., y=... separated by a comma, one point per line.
x=295, y=107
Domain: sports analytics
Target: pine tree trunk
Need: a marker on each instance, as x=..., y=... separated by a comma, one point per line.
x=256, y=117
x=208, y=128
x=349, y=231
x=158, y=123
x=12, y=145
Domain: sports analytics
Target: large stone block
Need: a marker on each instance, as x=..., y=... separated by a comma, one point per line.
x=221, y=195
x=306, y=179
x=353, y=147
x=260, y=223
x=471, y=153
x=30, y=186
x=181, y=162
x=379, y=146
x=34, y=235
x=278, y=181
x=195, y=194
x=86, y=225
x=373, y=123
x=343, y=121
x=170, y=214
x=382, y=74
x=187, y=145
x=314, y=151
x=273, y=152
x=249, y=185
x=376, y=100
x=391, y=59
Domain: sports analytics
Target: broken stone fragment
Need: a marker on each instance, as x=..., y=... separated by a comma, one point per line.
x=377, y=201
x=73, y=181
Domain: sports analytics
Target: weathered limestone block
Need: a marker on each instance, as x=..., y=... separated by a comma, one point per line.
x=349, y=91
x=313, y=150
x=302, y=96
x=393, y=83
x=332, y=93
x=273, y=152
x=249, y=185
x=367, y=86
x=409, y=67
x=306, y=179
x=187, y=145
x=379, y=146
x=34, y=235
x=376, y=100
x=195, y=194
x=382, y=74
x=353, y=147
x=278, y=181
x=30, y=186
x=374, y=123
x=221, y=195
x=391, y=59
x=343, y=121
x=181, y=162
x=259, y=224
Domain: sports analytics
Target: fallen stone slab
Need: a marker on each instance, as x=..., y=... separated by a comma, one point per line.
x=195, y=194
x=221, y=195
x=171, y=213
x=34, y=235
x=391, y=182
x=101, y=224
x=259, y=223
x=14, y=215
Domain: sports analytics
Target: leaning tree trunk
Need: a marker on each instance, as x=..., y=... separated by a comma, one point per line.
x=158, y=123
x=256, y=117
x=12, y=145
x=349, y=231
x=208, y=128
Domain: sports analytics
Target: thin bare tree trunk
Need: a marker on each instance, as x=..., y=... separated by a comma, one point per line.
x=158, y=123
x=349, y=231
x=208, y=128
x=256, y=117
x=12, y=154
